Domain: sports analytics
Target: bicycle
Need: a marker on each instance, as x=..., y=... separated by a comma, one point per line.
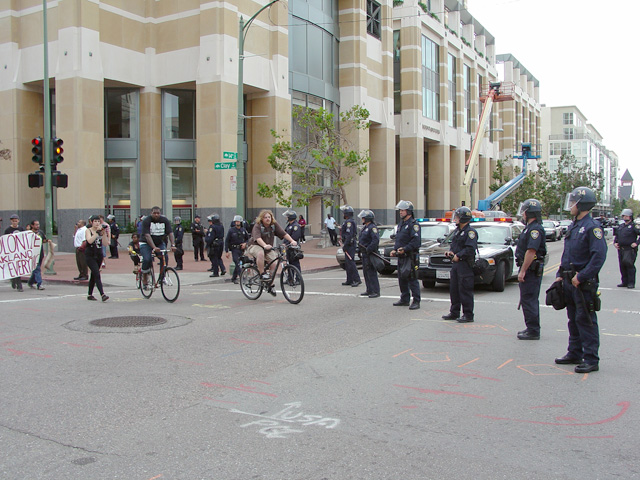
x=168, y=281
x=252, y=283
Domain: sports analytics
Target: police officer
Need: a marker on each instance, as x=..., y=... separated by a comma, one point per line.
x=407, y=244
x=531, y=252
x=349, y=235
x=626, y=241
x=178, y=233
x=214, y=240
x=115, y=234
x=463, y=253
x=585, y=250
x=294, y=230
x=368, y=243
x=197, y=236
x=236, y=242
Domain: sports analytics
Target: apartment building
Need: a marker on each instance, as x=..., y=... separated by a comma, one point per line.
x=566, y=131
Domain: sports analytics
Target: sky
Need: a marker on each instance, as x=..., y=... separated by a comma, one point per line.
x=584, y=53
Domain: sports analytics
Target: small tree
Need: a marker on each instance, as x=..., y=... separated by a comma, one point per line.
x=322, y=161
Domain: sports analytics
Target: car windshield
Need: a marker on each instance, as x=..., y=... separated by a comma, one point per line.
x=565, y=222
x=433, y=232
x=386, y=232
x=548, y=224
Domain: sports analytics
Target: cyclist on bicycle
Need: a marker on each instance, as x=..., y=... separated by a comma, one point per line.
x=261, y=242
x=155, y=229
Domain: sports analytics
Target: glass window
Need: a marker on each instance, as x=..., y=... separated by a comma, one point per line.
x=467, y=98
x=314, y=39
x=179, y=114
x=451, y=73
x=180, y=187
x=373, y=18
x=430, y=79
x=567, y=118
x=298, y=32
x=397, y=86
x=121, y=114
x=568, y=133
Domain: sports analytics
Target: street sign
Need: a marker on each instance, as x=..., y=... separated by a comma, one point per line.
x=230, y=155
x=233, y=182
x=225, y=165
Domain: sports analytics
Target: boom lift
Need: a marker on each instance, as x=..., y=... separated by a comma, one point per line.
x=496, y=92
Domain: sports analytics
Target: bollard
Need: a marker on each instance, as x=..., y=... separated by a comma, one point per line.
x=50, y=270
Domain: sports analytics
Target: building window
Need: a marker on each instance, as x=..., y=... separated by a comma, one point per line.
x=179, y=114
x=568, y=133
x=430, y=79
x=397, y=76
x=567, y=118
x=373, y=18
x=121, y=113
x=451, y=73
x=467, y=98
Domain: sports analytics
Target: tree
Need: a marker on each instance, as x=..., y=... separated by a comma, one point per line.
x=321, y=159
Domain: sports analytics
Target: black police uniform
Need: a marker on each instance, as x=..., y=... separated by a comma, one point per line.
x=585, y=250
x=348, y=235
x=625, y=235
x=408, y=237
x=113, y=241
x=178, y=235
x=295, y=231
x=368, y=243
x=532, y=238
x=463, y=244
x=214, y=240
x=197, y=235
x=235, y=238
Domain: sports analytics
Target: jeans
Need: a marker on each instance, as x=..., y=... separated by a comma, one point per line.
x=36, y=276
x=147, y=258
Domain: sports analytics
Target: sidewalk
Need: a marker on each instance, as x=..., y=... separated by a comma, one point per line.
x=119, y=272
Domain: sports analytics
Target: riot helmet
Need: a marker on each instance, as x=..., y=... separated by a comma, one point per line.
x=582, y=197
x=290, y=214
x=463, y=214
x=530, y=208
x=347, y=211
x=405, y=205
x=627, y=212
x=367, y=215
x=238, y=218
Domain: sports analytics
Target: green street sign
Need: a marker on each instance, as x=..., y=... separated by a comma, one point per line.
x=225, y=165
x=230, y=155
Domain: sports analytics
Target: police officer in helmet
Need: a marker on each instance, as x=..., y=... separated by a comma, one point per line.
x=236, y=242
x=178, y=233
x=349, y=236
x=626, y=239
x=531, y=252
x=214, y=240
x=585, y=251
x=407, y=244
x=294, y=230
x=368, y=243
x=462, y=253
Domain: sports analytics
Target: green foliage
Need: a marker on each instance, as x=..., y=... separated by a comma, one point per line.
x=130, y=228
x=322, y=162
x=634, y=205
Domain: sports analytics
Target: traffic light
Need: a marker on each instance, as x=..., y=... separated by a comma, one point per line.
x=60, y=180
x=37, y=150
x=57, y=151
x=36, y=180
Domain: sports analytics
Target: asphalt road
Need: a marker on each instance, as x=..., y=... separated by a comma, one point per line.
x=338, y=387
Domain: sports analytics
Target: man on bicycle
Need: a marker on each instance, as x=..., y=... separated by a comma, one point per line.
x=261, y=242
x=155, y=229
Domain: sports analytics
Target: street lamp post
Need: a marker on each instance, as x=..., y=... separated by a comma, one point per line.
x=241, y=160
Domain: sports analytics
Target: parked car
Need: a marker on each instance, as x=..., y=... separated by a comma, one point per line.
x=552, y=231
x=496, y=243
x=565, y=226
x=495, y=214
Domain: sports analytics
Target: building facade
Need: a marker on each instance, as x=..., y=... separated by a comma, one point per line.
x=144, y=95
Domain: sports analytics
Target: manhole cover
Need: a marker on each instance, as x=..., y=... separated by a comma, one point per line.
x=130, y=321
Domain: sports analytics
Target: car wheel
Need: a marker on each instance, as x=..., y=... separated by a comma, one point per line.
x=428, y=283
x=499, y=278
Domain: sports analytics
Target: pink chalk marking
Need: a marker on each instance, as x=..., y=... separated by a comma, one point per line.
x=625, y=350
x=221, y=401
x=508, y=361
x=455, y=341
x=409, y=407
x=458, y=374
x=398, y=354
x=212, y=385
x=470, y=361
x=187, y=362
x=260, y=381
x=19, y=353
x=439, y=392
x=624, y=406
x=77, y=345
x=568, y=419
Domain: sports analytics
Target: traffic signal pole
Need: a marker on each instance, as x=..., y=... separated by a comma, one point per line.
x=46, y=143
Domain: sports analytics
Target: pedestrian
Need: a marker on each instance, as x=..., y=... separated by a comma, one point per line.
x=114, y=234
x=197, y=237
x=585, y=250
x=531, y=252
x=330, y=225
x=294, y=230
x=214, y=241
x=16, y=283
x=349, y=237
x=94, y=235
x=36, y=276
x=303, y=224
x=626, y=239
x=178, y=234
x=134, y=252
x=78, y=239
x=236, y=243
x=462, y=253
x=406, y=248
x=368, y=244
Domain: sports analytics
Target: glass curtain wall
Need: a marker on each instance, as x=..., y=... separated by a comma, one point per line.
x=430, y=79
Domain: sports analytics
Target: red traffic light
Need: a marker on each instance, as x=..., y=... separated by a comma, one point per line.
x=37, y=150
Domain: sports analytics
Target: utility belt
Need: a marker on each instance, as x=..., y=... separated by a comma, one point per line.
x=591, y=286
x=537, y=267
x=236, y=246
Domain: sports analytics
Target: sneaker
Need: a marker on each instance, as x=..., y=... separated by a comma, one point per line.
x=40, y=287
x=104, y=298
x=272, y=291
x=265, y=276
x=92, y=298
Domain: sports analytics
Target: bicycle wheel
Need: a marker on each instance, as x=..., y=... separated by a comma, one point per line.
x=170, y=285
x=147, y=290
x=250, y=282
x=292, y=284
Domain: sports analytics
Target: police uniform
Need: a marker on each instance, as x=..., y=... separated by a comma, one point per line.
x=178, y=234
x=532, y=238
x=585, y=250
x=235, y=238
x=408, y=237
x=463, y=244
x=625, y=235
x=348, y=235
x=295, y=231
x=197, y=236
x=214, y=241
x=113, y=241
x=368, y=243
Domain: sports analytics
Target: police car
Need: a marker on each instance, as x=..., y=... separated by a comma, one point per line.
x=385, y=232
x=496, y=243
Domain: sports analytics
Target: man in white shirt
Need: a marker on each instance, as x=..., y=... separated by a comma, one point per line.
x=330, y=223
x=81, y=262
